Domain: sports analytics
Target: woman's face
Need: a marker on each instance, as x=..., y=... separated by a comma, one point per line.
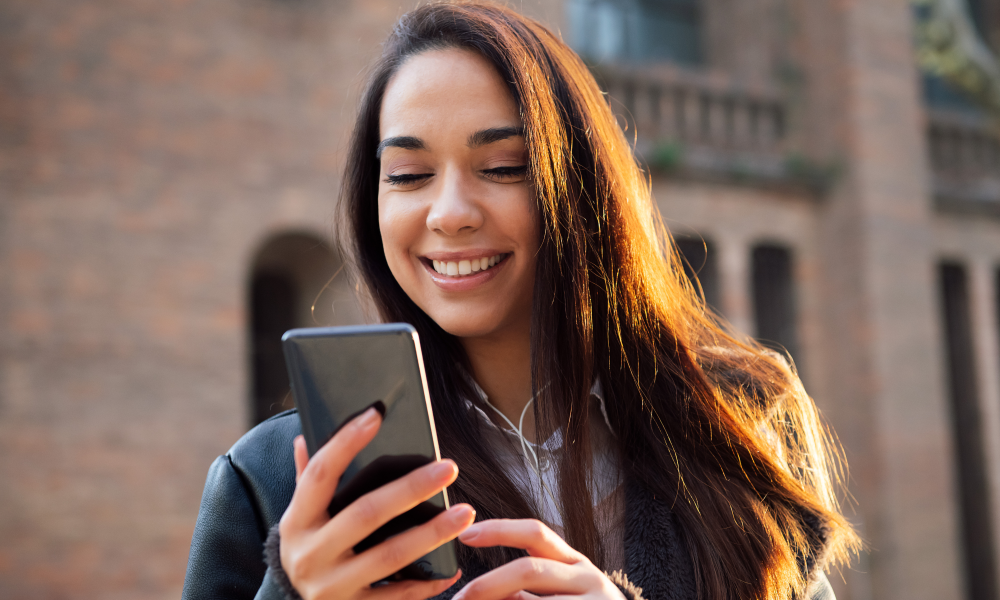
x=456, y=211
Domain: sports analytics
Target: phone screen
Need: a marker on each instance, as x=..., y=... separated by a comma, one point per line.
x=336, y=373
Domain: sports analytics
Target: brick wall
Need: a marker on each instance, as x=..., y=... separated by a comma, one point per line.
x=149, y=149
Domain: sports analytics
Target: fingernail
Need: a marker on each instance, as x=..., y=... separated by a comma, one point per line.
x=442, y=470
x=367, y=419
x=462, y=513
x=469, y=534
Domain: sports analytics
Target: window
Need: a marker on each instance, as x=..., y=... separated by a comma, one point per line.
x=985, y=16
x=272, y=310
x=292, y=284
x=940, y=93
x=699, y=263
x=637, y=30
x=973, y=487
x=774, y=299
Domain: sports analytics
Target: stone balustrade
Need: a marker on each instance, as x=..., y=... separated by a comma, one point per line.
x=965, y=158
x=706, y=125
x=696, y=109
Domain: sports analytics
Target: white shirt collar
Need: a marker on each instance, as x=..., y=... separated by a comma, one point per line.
x=555, y=441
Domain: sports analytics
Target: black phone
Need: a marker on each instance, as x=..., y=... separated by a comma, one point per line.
x=336, y=373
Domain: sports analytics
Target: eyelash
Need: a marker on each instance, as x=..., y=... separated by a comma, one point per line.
x=505, y=172
x=496, y=174
x=406, y=178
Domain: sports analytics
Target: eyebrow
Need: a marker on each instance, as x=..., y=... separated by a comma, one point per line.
x=493, y=134
x=478, y=139
x=406, y=142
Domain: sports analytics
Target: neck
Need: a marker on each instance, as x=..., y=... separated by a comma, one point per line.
x=501, y=366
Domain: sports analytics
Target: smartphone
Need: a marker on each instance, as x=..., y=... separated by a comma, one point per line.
x=336, y=373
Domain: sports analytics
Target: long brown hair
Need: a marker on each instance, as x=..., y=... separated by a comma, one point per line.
x=716, y=426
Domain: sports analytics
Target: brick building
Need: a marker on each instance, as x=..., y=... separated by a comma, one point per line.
x=168, y=176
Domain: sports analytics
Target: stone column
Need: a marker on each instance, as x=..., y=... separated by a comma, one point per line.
x=983, y=300
x=734, y=282
x=884, y=387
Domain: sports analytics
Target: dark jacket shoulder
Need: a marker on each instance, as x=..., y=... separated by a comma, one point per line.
x=246, y=492
x=265, y=461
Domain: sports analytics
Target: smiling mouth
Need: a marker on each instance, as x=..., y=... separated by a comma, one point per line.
x=461, y=268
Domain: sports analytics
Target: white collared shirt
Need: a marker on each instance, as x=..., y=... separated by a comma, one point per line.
x=607, y=491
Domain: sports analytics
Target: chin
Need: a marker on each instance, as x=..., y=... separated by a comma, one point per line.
x=463, y=329
x=463, y=325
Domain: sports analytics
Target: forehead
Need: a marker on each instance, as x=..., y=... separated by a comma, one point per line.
x=450, y=87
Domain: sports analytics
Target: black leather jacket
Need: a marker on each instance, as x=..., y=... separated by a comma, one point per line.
x=246, y=493
x=248, y=489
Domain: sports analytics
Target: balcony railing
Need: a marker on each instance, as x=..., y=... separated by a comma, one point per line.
x=965, y=160
x=696, y=108
x=705, y=124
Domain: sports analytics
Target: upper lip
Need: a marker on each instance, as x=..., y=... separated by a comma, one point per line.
x=461, y=255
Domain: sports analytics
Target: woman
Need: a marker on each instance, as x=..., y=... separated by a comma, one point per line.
x=493, y=202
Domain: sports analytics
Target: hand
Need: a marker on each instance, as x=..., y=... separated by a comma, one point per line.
x=316, y=551
x=553, y=567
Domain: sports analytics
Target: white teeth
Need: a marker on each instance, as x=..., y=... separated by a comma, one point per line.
x=466, y=267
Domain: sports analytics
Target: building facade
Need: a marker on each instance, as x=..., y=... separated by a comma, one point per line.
x=168, y=183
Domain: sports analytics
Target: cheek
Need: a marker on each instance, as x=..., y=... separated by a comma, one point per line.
x=388, y=226
x=400, y=225
x=528, y=221
x=522, y=222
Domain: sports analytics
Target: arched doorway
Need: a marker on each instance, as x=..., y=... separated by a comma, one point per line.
x=774, y=304
x=296, y=281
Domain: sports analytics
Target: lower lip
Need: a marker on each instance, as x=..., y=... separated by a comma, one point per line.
x=465, y=282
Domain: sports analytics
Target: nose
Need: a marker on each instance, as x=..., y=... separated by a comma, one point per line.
x=455, y=209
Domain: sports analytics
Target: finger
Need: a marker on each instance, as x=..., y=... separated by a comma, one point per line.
x=334, y=587
x=319, y=478
x=397, y=552
x=536, y=575
x=527, y=534
x=378, y=507
x=301, y=456
x=414, y=590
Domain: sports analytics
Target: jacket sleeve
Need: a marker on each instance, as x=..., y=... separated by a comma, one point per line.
x=226, y=560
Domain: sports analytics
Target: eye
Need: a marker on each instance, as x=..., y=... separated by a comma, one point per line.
x=506, y=174
x=406, y=178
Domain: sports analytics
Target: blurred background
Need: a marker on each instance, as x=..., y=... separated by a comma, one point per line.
x=168, y=178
